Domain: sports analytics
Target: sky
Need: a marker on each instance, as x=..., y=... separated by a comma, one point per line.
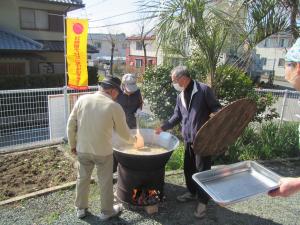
x=101, y=9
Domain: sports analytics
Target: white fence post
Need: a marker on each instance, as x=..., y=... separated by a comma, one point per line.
x=35, y=117
x=283, y=105
x=66, y=110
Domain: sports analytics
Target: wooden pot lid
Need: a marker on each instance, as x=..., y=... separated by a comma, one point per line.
x=224, y=128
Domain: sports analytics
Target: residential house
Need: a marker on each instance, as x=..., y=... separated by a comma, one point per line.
x=104, y=42
x=31, y=35
x=135, y=59
x=270, y=54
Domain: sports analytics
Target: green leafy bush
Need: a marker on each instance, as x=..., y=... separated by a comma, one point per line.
x=265, y=141
x=159, y=92
x=10, y=82
x=176, y=160
x=233, y=84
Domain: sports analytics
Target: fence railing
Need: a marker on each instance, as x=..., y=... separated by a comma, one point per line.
x=287, y=103
x=34, y=117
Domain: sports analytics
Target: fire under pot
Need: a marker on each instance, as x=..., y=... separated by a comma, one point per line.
x=141, y=177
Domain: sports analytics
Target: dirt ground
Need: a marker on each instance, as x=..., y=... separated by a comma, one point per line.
x=30, y=171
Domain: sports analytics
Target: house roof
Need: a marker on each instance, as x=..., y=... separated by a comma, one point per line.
x=58, y=46
x=11, y=41
x=136, y=38
x=106, y=37
x=73, y=4
x=65, y=2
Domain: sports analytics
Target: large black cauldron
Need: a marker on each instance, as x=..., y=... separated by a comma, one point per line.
x=143, y=171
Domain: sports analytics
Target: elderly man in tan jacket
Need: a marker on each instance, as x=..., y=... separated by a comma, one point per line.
x=90, y=127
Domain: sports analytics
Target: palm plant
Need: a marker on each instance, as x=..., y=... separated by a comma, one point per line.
x=293, y=6
x=210, y=26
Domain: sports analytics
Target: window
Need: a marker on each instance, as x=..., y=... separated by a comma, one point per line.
x=51, y=68
x=99, y=45
x=150, y=62
x=281, y=43
x=12, y=68
x=46, y=68
x=281, y=62
x=27, y=18
x=34, y=19
x=138, y=63
x=139, y=45
x=263, y=61
x=56, y=23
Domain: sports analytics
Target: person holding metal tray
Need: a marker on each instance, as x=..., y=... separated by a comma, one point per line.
x=194, y=105
x=289, y=186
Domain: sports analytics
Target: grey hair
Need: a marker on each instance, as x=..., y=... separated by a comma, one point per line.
x=180, y=71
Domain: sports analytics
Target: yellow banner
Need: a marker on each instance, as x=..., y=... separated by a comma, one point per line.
x=77, y=31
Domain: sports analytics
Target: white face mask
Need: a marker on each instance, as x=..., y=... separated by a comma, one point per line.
x=177, y=87
x=293, y=77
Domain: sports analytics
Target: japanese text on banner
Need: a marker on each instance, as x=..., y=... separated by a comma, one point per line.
x=77, y=31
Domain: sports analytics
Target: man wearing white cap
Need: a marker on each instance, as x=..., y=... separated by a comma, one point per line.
x=130, y=99
x=290, y=185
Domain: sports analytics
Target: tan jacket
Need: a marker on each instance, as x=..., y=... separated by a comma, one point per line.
x=91, y=124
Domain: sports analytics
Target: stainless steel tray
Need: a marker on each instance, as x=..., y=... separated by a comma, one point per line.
x=237, y=182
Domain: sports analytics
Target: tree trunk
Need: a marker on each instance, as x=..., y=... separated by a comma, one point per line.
x=294, y=11
x=112, y=58
x=145, y=54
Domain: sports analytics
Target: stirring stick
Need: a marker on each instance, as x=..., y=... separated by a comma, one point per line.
x=139, y=138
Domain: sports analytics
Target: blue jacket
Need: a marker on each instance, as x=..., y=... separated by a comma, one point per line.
x=130, y=104
x=202, y=103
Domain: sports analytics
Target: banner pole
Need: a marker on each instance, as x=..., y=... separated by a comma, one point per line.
x=66, y=78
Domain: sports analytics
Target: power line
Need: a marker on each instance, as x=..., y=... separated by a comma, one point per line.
x=96, y=3
x=115, y=15
x=122, y=14
x=130, y=21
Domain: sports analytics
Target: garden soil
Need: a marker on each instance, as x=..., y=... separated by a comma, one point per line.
x=30, y=171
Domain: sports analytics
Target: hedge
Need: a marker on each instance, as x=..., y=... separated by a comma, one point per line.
x=10, y=82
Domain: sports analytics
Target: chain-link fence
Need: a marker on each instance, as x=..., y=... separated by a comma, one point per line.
x=36, y=117
x=287, y=103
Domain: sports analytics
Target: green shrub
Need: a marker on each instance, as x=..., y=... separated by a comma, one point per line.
x=233, y=84
x=10, y=82
x=176, y=160
x=93, y=75
x=159, y=92
x=266, y=141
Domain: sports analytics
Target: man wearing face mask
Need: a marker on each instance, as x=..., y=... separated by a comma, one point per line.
x=288, y=185
x=90, y=126
x=194, y=105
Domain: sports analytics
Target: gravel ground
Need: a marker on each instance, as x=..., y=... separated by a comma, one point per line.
x=57, y=207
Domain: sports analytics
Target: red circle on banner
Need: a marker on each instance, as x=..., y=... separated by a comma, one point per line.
x=78, y=28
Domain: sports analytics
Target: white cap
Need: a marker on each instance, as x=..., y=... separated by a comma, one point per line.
x=293, y=55
x=129, y=82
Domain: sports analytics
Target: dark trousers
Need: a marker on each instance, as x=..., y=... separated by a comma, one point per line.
x=192, y=164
